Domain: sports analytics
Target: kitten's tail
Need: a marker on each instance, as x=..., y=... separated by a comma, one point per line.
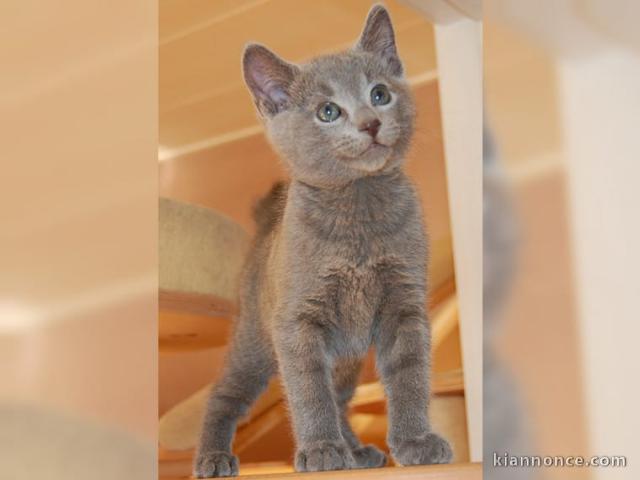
x=267, y=211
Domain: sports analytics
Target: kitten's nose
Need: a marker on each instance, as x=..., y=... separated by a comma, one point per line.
x=371, y=126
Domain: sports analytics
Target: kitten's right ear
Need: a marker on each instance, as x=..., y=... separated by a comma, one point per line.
x=378, y=38
x=269, y=78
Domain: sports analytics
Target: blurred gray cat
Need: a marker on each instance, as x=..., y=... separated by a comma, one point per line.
x=338, y=263
x=505, y=430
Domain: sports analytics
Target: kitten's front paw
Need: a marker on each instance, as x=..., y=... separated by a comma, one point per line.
x=326, y=455
x=424, y=451
x=215, y=464
x=369, y=457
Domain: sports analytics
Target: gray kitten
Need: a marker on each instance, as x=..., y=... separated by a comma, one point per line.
x=505, y=430
x=338, y=263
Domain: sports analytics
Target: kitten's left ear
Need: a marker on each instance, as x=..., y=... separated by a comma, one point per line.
x=268, y=78
x=378, y=38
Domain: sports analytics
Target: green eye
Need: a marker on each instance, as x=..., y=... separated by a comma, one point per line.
x=328, y=112
x=380, y=95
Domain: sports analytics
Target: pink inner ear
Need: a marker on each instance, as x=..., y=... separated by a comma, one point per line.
x=274, y=91
x=268, y=78
x=378, y=36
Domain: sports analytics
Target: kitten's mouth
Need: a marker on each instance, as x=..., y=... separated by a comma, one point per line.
x=373, y=158
x=374, y=146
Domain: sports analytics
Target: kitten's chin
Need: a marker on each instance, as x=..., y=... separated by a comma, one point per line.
x=373, y=159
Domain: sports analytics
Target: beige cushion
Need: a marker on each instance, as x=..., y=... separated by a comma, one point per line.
x=201, y=257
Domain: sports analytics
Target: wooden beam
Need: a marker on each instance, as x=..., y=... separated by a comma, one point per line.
x=183, y=331
x=459, y=53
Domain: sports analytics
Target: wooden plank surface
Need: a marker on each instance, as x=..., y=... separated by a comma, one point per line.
x=459, y=471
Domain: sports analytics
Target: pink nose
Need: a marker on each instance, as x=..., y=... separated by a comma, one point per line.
x=371, y=126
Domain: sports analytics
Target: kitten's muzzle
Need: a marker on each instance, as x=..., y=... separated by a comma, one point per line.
x=371, y=126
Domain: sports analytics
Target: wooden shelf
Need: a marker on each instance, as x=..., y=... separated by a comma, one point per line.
x=458, y=471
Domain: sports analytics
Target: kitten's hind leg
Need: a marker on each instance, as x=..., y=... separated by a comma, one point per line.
x=248, y=368
x=345, y=377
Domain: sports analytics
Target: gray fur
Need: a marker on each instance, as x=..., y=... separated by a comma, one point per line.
x=338, y=264
x=505, y=426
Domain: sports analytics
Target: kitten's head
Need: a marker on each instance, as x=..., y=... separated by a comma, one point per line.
x=339, y=117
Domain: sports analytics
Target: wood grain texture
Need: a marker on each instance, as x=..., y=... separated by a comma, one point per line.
x=469, y=471
x=197, y=303
x=459, y=471
x=182, y=331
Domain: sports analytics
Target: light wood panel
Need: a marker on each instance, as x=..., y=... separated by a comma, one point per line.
x=201, y=91
x=521, y=96
x=449, y=11
x=178, y=19
x=460, y=471
x=183, y=331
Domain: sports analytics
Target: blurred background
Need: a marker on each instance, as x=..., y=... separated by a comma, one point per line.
x=562, y=104
x=78, y=239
